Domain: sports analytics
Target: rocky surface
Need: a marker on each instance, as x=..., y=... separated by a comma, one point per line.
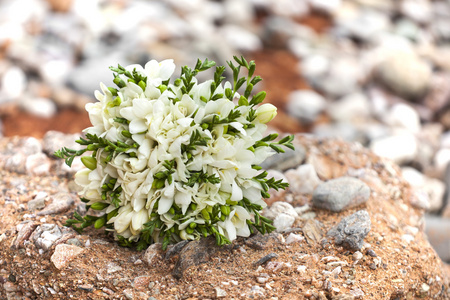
x=389, y=257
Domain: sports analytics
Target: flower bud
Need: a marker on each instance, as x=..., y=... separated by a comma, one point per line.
x=265, y=113
x=89, y=161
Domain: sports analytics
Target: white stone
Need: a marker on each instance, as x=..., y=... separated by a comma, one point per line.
x=414, y=177
x=303, y=180
x=327, y=6
x=314, y=66
x=294, y=238
x=240, y=38
x=350, y=107
x=401, y=148
x=305, y=105
x=13, y=84
x=407, y=238
x=41, y=107
x=441, y=159
x=342, y=78
x=279, y=207
x=403, y=116
x=301, y=269
x=289, y=8
x=418, y=10
x=38, y=164
x=283, y=221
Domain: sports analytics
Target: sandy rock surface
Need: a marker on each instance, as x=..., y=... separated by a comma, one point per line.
x=41, y=259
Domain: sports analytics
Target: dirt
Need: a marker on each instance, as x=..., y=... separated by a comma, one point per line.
x=390, y=267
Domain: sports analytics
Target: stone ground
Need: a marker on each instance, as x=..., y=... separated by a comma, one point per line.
x=396, y=261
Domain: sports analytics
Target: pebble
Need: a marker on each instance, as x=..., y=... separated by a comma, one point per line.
x=61, y=203
x=312, y=232
x=220, y=293
x=357, y=256
x=405, y=74
x=24, y=233
x=153, y=254
x=38, y=164
x=265, y=259
x=113, y=268
x=10, y=287
x=302, y=180
x=341, y=193
x=294, y=238
x=401, y=148
x=36, y=203
x=403, y=116
x=355, y=106
x=282, y=214
x=14, y=83
x=141, y=282
x=45, y=235
x=288, y=160
x=352, y=230
x=306, y=105
x=64, y=254
x=40, y=107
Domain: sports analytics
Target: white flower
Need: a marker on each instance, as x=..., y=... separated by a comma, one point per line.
x=175, y=156
x=266, y=112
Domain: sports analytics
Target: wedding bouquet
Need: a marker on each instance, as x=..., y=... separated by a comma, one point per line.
x=170, y=160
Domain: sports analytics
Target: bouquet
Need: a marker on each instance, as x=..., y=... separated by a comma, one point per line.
x=170, y=160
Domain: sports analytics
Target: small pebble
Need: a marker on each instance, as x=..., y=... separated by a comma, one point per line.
x=266, y=259
x=370, y=252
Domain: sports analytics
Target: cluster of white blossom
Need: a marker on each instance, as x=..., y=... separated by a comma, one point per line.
x=171, y=161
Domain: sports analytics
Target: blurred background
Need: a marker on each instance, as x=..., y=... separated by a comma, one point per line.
x=371, y=71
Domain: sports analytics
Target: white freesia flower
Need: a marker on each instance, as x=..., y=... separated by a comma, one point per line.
x=179, y=160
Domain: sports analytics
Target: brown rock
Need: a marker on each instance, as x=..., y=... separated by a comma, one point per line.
x=24, y=234
x=63, y=254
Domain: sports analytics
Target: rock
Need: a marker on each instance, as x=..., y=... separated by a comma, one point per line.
x=283, y=161
x=325, y=6
x=265, y=259
x=401, y=148
x=113, y=268
x=418, y=10
x=351, y=107
x=64, y=254
x=55, y=140
x=342, y=78
x=282, y=214
x=38, y=164
x=61, y=203
x=240, y=38
x=340, y=194
x=437, y=230
x=314, y=67
x=196, y=253
x=405, y=74
x=294, y=238
x=45, y=236
x=434, y=188
x=302, y=180
x=403, y=116
x=220, y=293
x=153, y=254
x=38, y=202
x=352, y=230
x=312, y=232
x=261, y=242
x=24, y=233
x=364, y=24
x=305, y=105
x=10, y=287
x=141, y=282
x=13, y=84
x=40, y=107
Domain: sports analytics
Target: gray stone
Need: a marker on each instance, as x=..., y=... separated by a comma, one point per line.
x=350, y=107
x=288, y=160
x=153, y=254
x=49, y=234
x=38, y=202
x=61, y=203
x=305, y=105
x=340, y=193
x=438, y=234
x=352, y=230
x=405, y=74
